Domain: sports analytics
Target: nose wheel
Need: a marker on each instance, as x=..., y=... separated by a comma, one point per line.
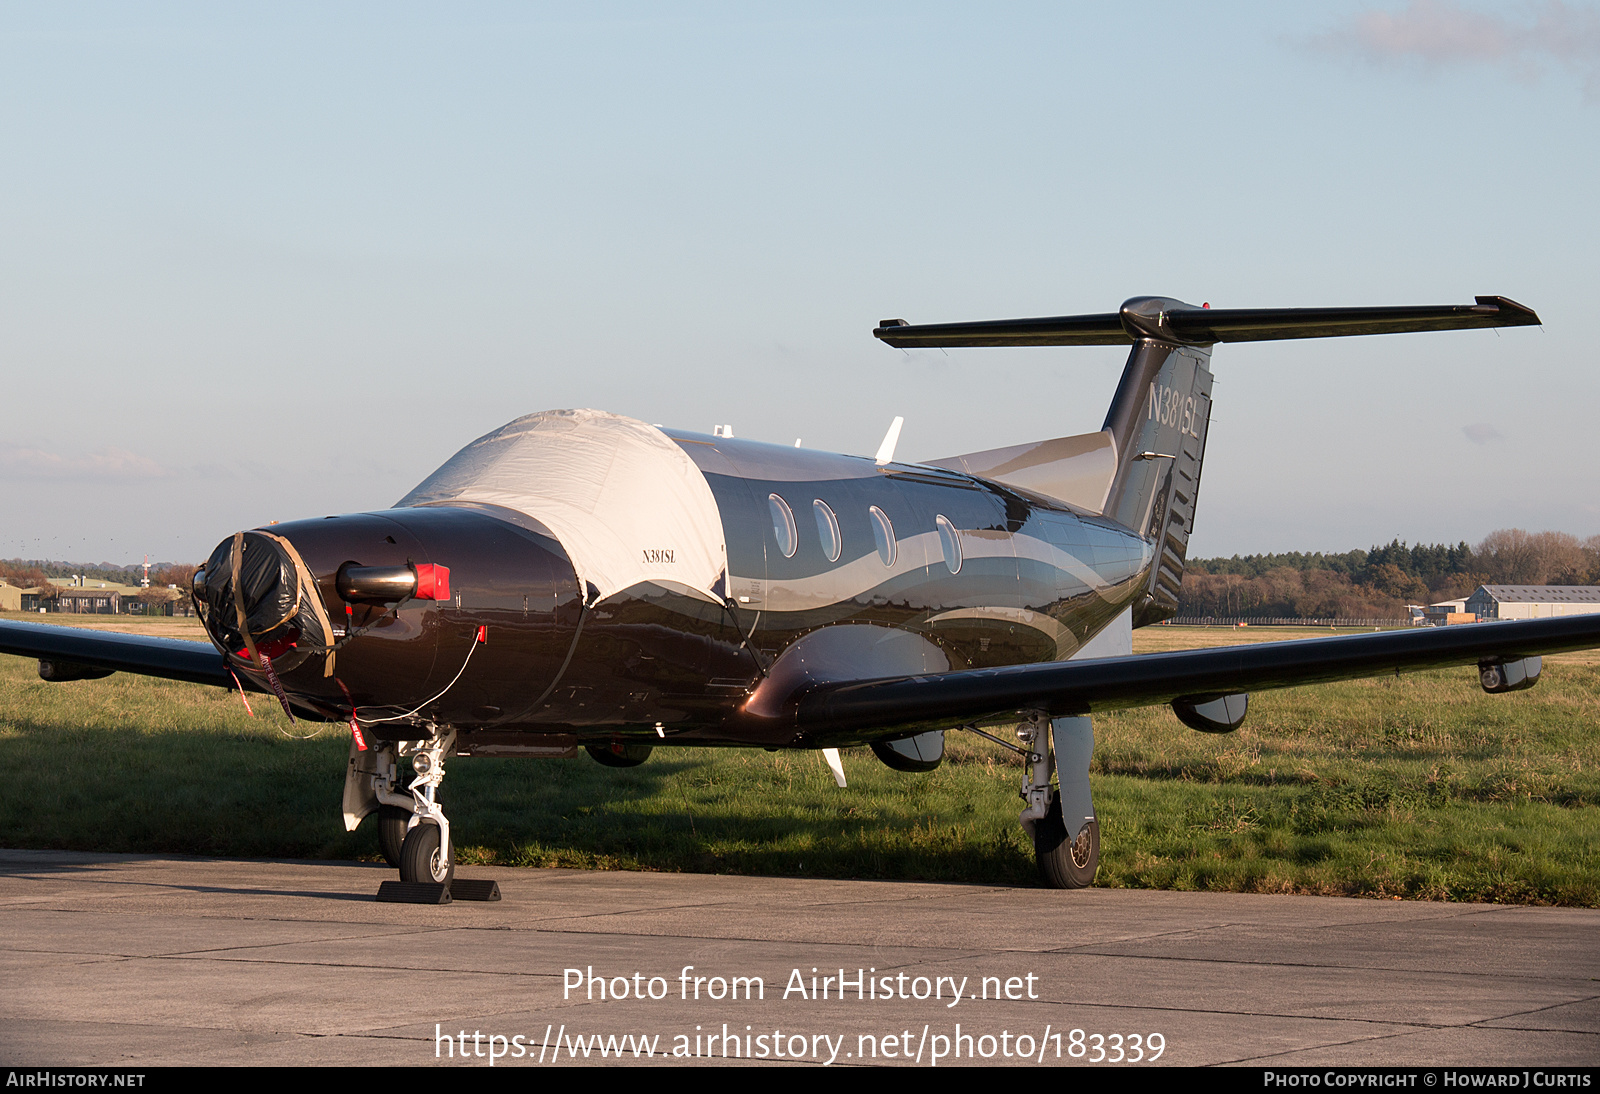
x=427, y=855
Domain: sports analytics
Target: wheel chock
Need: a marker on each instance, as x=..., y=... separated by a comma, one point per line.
x=414, y=892
x=464, y=889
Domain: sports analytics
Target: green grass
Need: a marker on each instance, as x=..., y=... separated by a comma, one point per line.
x=1420, y=786
x=1416, y=787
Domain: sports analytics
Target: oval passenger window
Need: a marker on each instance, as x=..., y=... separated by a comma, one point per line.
x=827, y=529
x=883, y=534
x=950, y=543
x=783, y=525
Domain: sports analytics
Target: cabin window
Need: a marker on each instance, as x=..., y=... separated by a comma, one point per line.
x=783, y=525
x=950, y=543
x=883, y=533
x=827, y=529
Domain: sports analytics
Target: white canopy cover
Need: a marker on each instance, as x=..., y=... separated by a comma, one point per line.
x=624, y=500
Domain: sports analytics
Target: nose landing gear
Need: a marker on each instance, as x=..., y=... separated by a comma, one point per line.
x=426, y=853
x=412, y=828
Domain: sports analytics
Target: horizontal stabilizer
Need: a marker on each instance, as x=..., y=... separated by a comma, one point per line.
x=1165, y=320
x=1062, y=330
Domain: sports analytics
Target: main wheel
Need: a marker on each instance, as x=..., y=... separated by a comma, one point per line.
x=1066, y=862
x=392, y=822
x=423, y=859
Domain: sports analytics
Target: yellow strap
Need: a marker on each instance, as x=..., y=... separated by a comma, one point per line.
x=238, y=598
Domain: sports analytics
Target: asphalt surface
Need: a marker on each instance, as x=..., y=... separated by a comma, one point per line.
x=127, y=961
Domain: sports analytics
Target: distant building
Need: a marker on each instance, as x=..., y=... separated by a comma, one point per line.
x=78, y=597
x=83, y=601
x=1442, y=613
x=1533, y=601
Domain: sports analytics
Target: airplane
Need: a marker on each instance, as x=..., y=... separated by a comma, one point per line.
x=578, y=579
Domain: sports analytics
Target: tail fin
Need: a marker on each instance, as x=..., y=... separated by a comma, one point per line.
x=1157, y=422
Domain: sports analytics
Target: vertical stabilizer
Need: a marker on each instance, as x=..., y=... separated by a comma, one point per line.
x=1158, y=423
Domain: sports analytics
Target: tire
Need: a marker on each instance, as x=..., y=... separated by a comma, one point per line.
x=618, y=754
x=422, y=859
x=392, y=822
x=1066, y=863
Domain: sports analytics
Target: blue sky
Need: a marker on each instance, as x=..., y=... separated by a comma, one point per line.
x=273, y=262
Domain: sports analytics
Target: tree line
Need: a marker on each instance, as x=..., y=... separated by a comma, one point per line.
x=1380, y=583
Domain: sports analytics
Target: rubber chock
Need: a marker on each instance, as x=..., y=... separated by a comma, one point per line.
x=413, y=892
x=463, y=889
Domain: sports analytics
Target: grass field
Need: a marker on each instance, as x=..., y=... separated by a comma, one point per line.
x=1419, y=787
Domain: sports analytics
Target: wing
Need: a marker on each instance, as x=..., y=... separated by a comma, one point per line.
x=943, y=700
x=100, y=652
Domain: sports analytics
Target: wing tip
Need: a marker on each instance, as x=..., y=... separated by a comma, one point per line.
x=1509, y=312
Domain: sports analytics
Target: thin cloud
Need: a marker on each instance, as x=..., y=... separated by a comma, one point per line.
x=1436, y=34
x=22, y=462
x=1481, y=432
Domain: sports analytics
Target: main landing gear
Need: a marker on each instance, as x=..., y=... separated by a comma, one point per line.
x=1060, y=819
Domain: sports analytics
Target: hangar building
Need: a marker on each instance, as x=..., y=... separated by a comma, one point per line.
x=1533, y=601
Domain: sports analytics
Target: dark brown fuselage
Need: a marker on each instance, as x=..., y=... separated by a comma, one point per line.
x=1034, y=582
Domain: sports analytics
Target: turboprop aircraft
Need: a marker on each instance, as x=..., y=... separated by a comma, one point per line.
x=577, y=579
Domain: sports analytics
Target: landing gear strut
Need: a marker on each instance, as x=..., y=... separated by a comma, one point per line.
x=1060, y=819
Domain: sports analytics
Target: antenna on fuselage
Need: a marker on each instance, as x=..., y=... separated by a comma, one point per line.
x=890, y=439
x=831, y=757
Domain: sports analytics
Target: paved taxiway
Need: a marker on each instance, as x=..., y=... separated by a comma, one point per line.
x=124, y=960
